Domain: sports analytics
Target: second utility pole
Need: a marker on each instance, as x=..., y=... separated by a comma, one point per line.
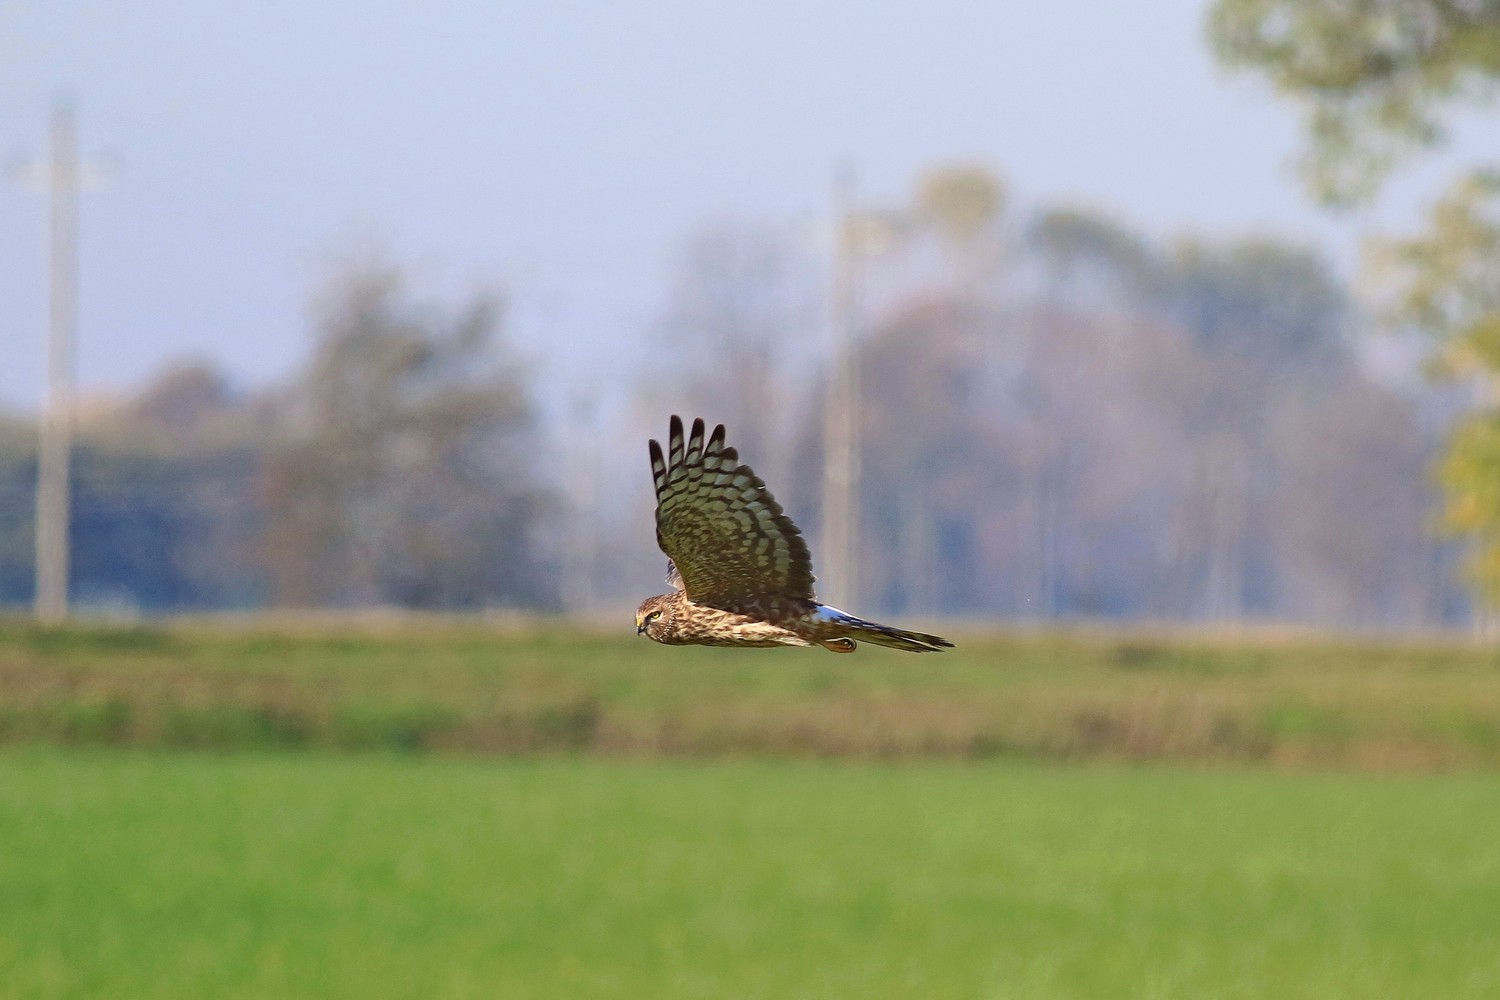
x=841, y=409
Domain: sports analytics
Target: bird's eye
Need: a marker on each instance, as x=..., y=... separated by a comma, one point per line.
x=653, y=616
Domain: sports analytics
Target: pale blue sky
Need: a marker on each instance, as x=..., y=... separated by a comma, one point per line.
x=562, y=151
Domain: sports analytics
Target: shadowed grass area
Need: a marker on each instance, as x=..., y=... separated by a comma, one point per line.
x=463, y=687
x=151, y=875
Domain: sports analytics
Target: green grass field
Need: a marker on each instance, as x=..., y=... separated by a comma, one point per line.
x=451, y=810
x=315, y=875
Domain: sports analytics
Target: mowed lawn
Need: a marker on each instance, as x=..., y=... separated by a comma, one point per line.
x=158, y=874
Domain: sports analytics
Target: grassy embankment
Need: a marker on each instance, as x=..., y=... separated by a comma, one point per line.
x=1286, y=702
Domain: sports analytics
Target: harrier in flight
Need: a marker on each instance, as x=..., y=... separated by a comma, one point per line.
x=741, y=569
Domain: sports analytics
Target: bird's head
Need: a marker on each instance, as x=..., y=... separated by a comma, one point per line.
x=657, y=617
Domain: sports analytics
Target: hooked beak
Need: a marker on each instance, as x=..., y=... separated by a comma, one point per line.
x=640, y=627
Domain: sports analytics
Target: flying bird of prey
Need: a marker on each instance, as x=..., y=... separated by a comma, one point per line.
x=741, y=569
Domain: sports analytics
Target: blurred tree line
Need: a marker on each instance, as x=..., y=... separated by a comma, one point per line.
x=1062, y=418
x=1059, y=418
x=397, y=468
x=1378, y=83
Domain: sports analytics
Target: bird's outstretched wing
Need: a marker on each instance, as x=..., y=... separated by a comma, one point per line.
x=726, y=535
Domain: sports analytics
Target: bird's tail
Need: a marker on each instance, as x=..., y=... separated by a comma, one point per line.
x=885, y=635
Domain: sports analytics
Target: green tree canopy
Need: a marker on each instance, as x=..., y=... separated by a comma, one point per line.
x=1374, y=75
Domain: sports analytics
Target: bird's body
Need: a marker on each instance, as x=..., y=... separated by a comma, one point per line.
x=742, y=572
x=683, y=623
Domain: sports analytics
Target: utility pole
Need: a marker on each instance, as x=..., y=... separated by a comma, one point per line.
x=841, y=409
x=52, y=485
x=59, y=175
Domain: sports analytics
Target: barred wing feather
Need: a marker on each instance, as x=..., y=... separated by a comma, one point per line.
x=727, y=537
